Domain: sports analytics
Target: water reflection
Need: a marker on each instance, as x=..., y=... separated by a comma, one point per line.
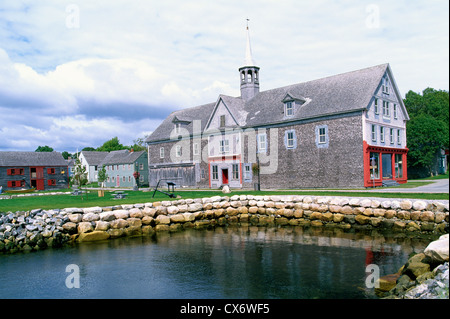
x=232, y=262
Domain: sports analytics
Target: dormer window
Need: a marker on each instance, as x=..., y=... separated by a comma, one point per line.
x=289, y=108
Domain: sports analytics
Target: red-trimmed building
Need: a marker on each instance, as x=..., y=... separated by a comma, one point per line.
x=343, y=131
x=40, y=170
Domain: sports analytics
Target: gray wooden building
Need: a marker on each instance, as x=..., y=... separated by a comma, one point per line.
x=40, y=170
x=346, y=130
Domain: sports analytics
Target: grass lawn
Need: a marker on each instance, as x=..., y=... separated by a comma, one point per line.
x=64, y=200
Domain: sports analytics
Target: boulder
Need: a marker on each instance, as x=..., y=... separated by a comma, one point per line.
x=121, y=214
x=163, y=220
x=93, y=236
x=70, y=227
x=85, y=227
x=419, y=205
x=107, y=216
x=362, y=219
x=90, y=217
x=416, y=266
x=226, y=190
x=75, y=218
x=135, y=213
x=438, y=249
x=101, y=225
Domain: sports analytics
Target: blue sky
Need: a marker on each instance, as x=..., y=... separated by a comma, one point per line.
x=76, y=73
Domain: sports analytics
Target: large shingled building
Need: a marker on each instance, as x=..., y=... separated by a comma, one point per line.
x=346, y=130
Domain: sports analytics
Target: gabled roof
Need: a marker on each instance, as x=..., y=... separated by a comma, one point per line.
x=94, y=157
x=121, y=157
x=338, y=94
x=201, y=113
x=32, y=159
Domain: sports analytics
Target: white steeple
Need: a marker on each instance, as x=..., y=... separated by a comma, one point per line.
x=249, y=73
x=248, y=51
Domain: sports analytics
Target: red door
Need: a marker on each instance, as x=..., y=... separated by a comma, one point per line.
x=118, y=181
x=225, y=176
x=37, y=177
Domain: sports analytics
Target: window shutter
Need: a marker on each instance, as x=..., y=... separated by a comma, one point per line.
x=9, y=171
x=10, y=184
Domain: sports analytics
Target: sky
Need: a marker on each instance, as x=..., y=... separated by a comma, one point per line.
x=77, y=73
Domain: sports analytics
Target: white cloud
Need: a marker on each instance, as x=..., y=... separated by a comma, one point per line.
x=128, y=64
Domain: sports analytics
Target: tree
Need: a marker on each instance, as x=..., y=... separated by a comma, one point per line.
x=111, y=145
x=44, y=149
x=428, y=129
x=102, y=176
x=79, y=177
x=66, y=155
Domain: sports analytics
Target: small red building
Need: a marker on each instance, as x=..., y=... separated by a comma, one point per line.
x=40, y=170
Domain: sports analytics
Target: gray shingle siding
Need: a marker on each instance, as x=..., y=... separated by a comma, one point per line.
x=335, y=104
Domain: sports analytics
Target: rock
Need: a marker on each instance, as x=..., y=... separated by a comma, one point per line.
x=172, y=210
x=85, y=227
x=427, y=216
x=177, y=218
x=119, y=223
x=93, y=236
x=406, y=204
x=163, y=220
x=94, y=210
x=75, y=218
x=102, y=225
x=147, y=220
x=438, y=249
x=416, y=266
x=134, y=222
x=386, y=283
x=70, y=227
x=362, y=219
x=226, y=189
x=121, y=214
x=135, y=213
x=419, y=205
x=107, y=216
x=90, y=217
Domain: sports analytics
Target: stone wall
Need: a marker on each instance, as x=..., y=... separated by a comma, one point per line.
x=38, y=229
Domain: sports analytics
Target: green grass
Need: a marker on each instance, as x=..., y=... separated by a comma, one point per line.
x=65, y=201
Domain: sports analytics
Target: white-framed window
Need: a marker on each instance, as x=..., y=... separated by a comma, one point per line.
x=247, y=172
x=382, y=134
x=161, y=152
x=141, y=166
x=224, y=146
x=235, y=170
x=289, y=108
x=178, y=151
x=374, y=133
x=399, y=136
x=376, y=107
x=195, y=149
x=262, y=142
x=215, y=172
x=322, y=135
x=222, y=121
x=290, y=139
x=386, y=112
x=177, y=128
x=391, y=135
x=395, y=111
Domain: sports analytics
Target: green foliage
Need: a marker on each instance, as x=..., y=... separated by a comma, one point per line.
x=111, y=145
x=428, y=128
x=79, y=176
x=102, y=176
x=44, y=149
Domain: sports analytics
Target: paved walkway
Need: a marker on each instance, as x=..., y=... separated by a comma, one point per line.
x=438, y=186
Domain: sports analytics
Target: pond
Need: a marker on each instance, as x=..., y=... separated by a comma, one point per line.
x=228, y=262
